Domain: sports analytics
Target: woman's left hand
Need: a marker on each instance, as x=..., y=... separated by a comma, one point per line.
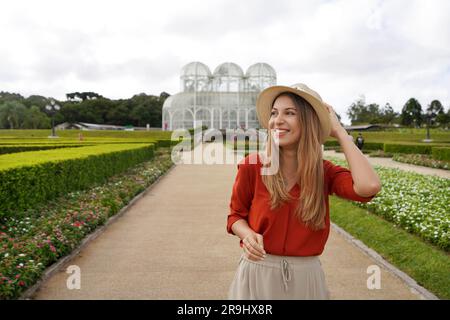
x=336, y=126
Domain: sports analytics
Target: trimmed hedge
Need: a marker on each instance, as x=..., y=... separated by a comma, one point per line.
x=373, y=146
x=408, y=148
x=44, y=175
x=331, y=144
x=7, y=148
x=441, y=153
x=24, y=148
x=166, y=143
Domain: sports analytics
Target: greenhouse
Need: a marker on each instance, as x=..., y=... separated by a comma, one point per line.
x=224, y=99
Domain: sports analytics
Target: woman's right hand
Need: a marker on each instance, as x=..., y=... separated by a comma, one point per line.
x=253, y=246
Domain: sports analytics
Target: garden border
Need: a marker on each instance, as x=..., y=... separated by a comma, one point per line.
x=57, y=266
x=410, y=282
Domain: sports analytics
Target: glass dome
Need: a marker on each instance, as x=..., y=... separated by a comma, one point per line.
x=228, y=77
x=260, y=76
x=195, y=76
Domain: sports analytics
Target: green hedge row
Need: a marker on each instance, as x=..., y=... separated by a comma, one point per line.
x=407, y=148
x=330, y=144
x=23, y=148
x=17, y=147
x=441, y=153
x=166, y=143
x=373, y=146
x=50, y=174
x=437, y=151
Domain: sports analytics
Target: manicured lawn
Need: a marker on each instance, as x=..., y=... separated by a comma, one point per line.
x=6, y=135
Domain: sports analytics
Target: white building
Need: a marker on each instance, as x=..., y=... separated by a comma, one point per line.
x=225, y=99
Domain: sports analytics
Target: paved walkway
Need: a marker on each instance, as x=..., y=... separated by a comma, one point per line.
x=388, y=162
x=172, y=244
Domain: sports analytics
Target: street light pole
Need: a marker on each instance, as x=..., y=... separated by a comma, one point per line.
x=428, y=139
x=52, y=108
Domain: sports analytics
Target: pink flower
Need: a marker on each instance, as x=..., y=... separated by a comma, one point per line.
x=52, y=248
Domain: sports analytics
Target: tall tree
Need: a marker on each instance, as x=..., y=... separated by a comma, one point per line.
x=36, y=119
x=412, y=113
x=443, y=119
x=388, y=115
x=12, y=114
x=433, y=109
x=360, y=113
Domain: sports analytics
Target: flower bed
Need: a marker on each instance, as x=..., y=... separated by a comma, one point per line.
x=418, y=203
x=422, y=160
x=32, y=240
x=380, y=153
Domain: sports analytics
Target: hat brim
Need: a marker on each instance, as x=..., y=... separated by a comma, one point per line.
x=266, y=98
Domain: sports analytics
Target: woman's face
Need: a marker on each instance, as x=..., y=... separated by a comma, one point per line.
x=284, y=122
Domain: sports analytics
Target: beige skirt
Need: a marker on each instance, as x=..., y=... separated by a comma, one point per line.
x=279, y=278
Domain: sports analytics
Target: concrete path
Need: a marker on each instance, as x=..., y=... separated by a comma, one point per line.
x=172, y=244
x=388, y=162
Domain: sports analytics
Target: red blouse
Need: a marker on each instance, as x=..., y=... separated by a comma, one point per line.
x=283, y=234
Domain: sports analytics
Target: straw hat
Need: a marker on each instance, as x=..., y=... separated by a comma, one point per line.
x=266, y=98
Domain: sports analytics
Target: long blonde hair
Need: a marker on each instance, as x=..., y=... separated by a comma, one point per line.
x=311, y=208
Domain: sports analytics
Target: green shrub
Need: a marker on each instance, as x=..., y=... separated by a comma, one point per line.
x=407, y=148
x=441, y=153
x=331, y=143
x=5, y=149
x=373, y=146
x=27, y=179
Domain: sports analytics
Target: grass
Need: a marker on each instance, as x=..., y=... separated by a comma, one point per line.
x=7, y=134
x=404, y=135
x=425, y=263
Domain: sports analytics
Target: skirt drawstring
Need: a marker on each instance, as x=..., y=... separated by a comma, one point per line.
x=285, y=273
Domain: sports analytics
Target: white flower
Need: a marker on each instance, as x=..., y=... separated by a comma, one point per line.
x=22, y=255
x=6, y=255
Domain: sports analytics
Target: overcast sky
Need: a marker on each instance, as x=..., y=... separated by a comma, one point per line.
x=387, y=51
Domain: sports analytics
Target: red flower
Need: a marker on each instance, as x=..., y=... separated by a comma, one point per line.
x=21, y=283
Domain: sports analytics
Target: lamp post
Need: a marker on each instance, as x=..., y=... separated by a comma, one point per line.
x=52, y=108
x=428, y=126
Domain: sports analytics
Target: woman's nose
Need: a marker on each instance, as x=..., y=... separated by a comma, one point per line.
x=279, y=119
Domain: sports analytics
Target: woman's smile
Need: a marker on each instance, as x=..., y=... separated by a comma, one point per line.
x=281, y=132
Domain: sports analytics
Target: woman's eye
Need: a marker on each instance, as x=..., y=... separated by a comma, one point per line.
x=272, y=113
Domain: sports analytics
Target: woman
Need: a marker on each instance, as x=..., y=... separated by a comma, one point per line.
x=282, y=216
